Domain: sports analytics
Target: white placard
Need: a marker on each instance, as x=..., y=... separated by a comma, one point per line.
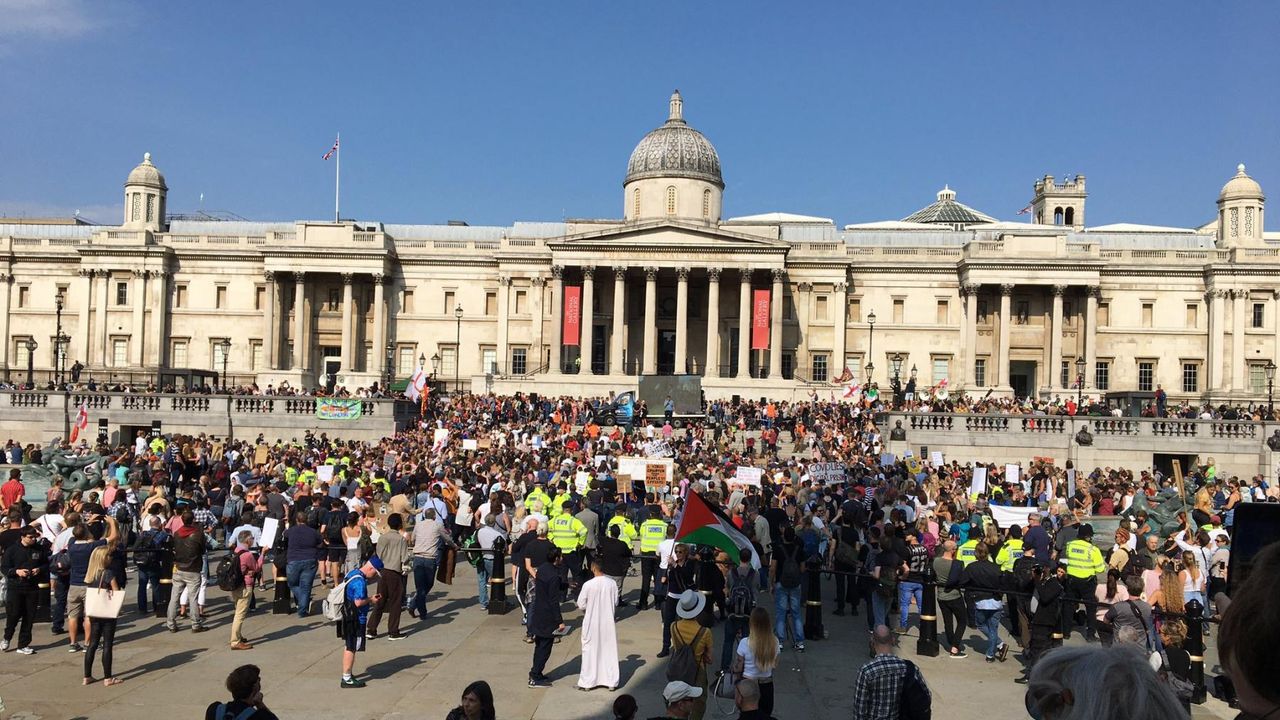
x=1071, y=483
x=1013, y=474
x=1007, y=517
x=580, y=481
x=469, y=444
x=748, y=475
x=633, y=466
x=324, y=473
x=270, y=527
x=979, y=483
x=935, y=458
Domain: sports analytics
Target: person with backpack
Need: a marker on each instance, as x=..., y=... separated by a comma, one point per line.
x=355, y=608
x=691, y=648
x=237, y=574
x=740, y=591
x=148, y=554
x=787, y=575
x=889, y=687
x=245, y=685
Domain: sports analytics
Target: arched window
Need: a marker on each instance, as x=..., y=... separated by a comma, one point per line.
x=136, y=207
x=635, y=202
x=706, y=204
x=1057, y=216
x=671, y=200
x=151, y=207
x=1070, y=216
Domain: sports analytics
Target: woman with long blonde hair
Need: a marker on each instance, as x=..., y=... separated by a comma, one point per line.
x=1193, y=580
x=758, y=655
x=102, y=631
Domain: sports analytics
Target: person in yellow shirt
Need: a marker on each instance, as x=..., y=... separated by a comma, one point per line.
x=1084, y=563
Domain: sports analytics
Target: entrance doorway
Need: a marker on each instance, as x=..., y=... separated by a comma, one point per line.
x=331, y=365
x=1022, y=377
x=1163, y=462
x=667, y=352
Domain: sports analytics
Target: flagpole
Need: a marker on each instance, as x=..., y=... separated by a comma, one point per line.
x=337, y=176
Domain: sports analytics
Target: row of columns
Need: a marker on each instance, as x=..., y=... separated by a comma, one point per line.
x=1217, y=300
x=148, y=291
x=969, y=332
x=275, y=316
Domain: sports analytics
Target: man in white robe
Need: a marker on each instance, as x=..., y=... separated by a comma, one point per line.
x=598, y=598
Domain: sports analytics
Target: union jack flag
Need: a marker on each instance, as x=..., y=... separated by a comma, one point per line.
x=332, y=150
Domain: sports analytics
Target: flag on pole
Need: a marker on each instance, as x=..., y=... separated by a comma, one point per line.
x=700, y=523
x=417, y=383
x=1023, y=211
x=332, y=150
x=851, y=390
x=82, y=422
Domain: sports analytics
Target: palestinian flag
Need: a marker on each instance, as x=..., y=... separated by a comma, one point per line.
x=701, y=524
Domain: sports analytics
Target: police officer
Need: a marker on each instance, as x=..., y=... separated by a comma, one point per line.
x=1010, y=552
x=1084, y=562
x=570, y=535
x=966, y=553
x=628, y=533
x=537, y=495
x=652, y=532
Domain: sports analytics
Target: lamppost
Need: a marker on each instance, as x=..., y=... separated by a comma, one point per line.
x=1080, y=382
x=435, y=364
x=58, y=346
x=389, y=372
x=896, y=363
x=226, y=351
x=871, y=370
x=31, y=345
x=60, y=352
x=457, y=352
x=1270, y=369
x=871, y=342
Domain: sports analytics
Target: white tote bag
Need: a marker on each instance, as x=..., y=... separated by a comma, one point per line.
x=103, y=603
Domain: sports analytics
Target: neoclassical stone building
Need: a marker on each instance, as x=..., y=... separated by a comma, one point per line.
x=958, y=295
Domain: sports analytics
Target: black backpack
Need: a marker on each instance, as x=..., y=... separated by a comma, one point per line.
x=789, y=576
x=683, y=665
x=915, y=702
x=742, y=594
x=229, y=576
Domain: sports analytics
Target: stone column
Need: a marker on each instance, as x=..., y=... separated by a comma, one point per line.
x=711, y=360
x=159, y=293
x=139, y=297
x=1275, y=321
x=775, y=326
x=1217, y=339
x=586, y=336
x=650, y=366
x=100, y=329
x=557, y=319
x=504, y=320
x=270, y=340
x=1055, y=339
x=841, y=328
x=6, y=291
x=380, y=324
x=1092, y=295
x=1006, y=327
x=744, y=326
x=299, y=320
x=539, y=289
x=804, y=298
x=348, y=301
x=618, y=340
x=83, y=331
x=682, y=321
x=969, y=329
x=1239, y=380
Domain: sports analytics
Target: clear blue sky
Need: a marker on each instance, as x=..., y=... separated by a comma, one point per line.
x=495, y=112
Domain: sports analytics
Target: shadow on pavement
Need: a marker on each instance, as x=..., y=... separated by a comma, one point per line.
x=387, y=668
x=168, y=662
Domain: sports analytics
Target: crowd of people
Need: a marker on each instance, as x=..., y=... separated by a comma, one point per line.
x=536, y=481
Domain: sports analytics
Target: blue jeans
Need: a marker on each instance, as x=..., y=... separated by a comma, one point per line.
x=787, y=600
x=906, y=591
x=424, y=577
x=147, y=580
x=301, y=575
x=989, y=624
x=879, y=609
x=484, y=571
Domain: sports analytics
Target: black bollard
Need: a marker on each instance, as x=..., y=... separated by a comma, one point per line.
x=44, y=612
x=1194, y=646
x=164, y=586
x=813, y=629
x=498, y=580
x=927, y=645
x=282, y=604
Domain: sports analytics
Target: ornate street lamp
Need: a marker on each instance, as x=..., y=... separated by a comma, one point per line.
x=1270, y=369
x=896, y=363
x=59, y=348
x=871, y=341
x=871, y=371
x=457, y=352
x=31, y=346
x=389, y=372
x=226, y=351
x=1079, y=382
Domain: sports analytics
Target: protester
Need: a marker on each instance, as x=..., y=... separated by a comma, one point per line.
x=245, y=685
x=22, y=565
x=1098, y=683
x=680, y=698
x=625, y=708
x=688, y=631
x=476, y=704
x=355, y=615
x=598, y=599
x=878, y=690
x=544, y=616
x=757, y=657
x=249, y=566
x=305, y=546
x=394, y=551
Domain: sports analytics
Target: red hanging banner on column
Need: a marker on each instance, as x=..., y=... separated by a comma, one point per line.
x=760, y=320
x=572, y=314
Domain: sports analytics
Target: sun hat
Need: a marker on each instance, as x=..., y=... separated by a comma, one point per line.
x=690, y=604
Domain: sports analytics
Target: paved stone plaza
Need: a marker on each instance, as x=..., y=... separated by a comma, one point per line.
x=176, y=675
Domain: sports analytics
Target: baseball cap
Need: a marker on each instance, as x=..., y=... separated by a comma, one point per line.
x=675, y=691
x=376, y=562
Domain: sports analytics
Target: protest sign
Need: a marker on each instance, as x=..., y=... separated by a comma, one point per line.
x=655, y=477
x=657, y=448
x=827, y=472
x=270, y=527
x=748, y=475
x=260, y=454
x=1013, y=473
x=440, y=436
x=580, y=482
x=324, y=473
x=979, y=483
x=470, y=444
x=484, y=443
x=1007, y=517
x=935, y=458
x=887, y=459
x=1071, y=482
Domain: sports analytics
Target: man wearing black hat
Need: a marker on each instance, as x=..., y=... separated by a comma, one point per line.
x=1084, y=563
x=23, y=564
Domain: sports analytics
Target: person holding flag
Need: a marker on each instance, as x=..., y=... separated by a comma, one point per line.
x=82, y=422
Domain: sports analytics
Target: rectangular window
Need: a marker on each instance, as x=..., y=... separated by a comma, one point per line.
x=820, y=307
x=405, y=364
x=519, y=361
x=448, y=361
x=255, y=355
x=1190, y=377
x=220, y=297
x=899, y=311
x=522, y=302
x=449, y=302
x=944, y=312
x=982, y=311
x=788, y=365
x=1258, y=316
x=178, y=353
x=1193, y=315
x=24, y=295
x=1102, y=375
x=855, y=310
x=259, y=298
x=980, y=372
x=20, y=352
x=1021, y=312
x=122, y=293
x=335, y=300
x=1104, y=314
x=491, y=303
x=1148, y=314
x=820, y=367
x=370, y=363
x=180, y=296
x=216, y=354
x=1146, y=376
x=489, y=359
x=1258, y=378
x=406, y=301
x=119, y=352
x=1066, y=375
x=854, y=363
x=941, y=369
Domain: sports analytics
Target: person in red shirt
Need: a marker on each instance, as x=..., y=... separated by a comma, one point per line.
x=12, y=491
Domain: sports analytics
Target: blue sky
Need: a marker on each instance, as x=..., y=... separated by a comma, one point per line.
x=495, y=112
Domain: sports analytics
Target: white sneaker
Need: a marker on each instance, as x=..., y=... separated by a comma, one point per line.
x=26, y=651
x=4, y=646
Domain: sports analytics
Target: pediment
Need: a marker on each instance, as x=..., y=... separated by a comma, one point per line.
x=668, y=236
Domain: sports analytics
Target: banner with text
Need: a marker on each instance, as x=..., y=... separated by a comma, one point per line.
x=338, y=409
x=760, y=320
x=572, y=314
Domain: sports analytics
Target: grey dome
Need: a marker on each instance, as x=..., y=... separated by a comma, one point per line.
x=146, y=174
x=675, y=150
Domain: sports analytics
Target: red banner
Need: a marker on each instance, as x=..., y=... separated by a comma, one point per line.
x=760, y=320
x=572, y=314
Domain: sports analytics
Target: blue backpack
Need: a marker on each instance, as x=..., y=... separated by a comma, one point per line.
x=809, y=540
